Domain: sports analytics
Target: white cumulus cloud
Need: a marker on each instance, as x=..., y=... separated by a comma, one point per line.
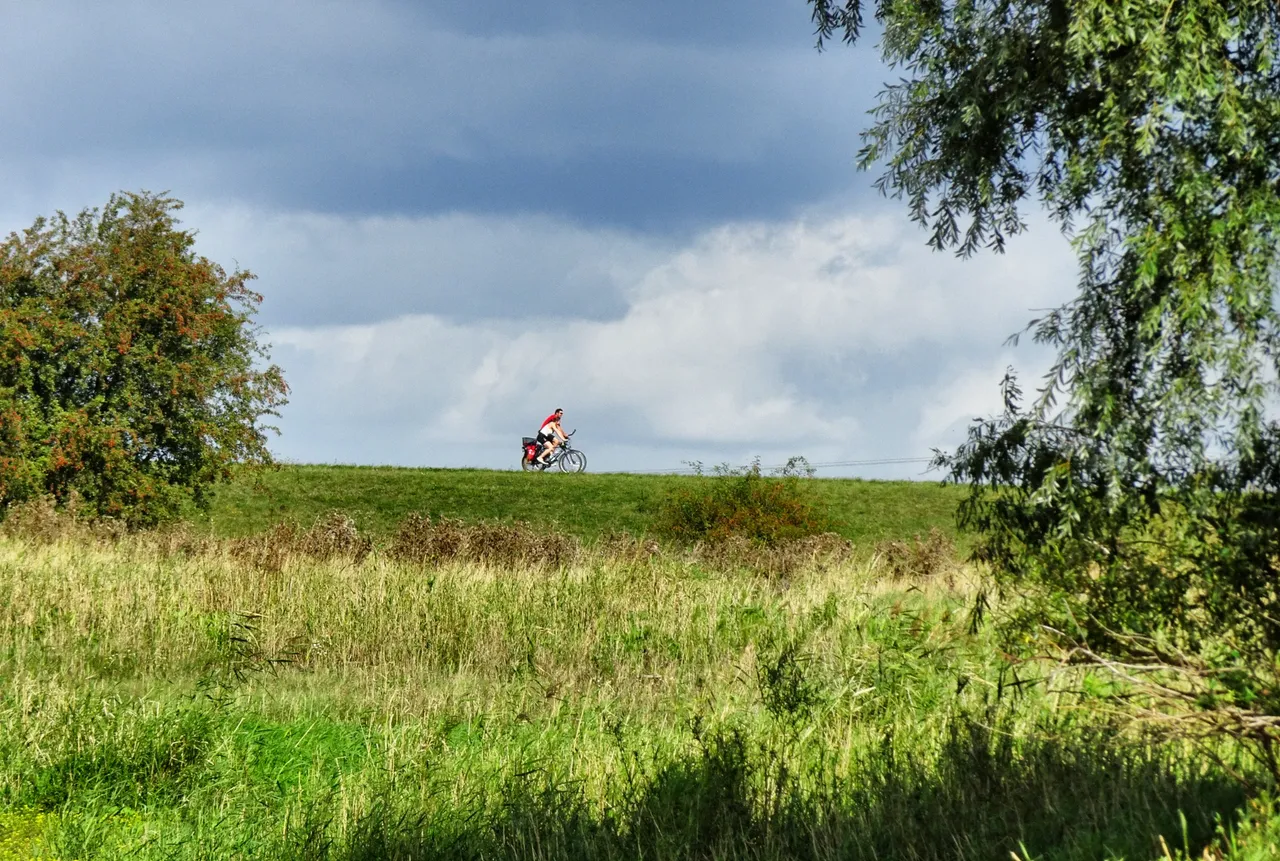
x=837, y=337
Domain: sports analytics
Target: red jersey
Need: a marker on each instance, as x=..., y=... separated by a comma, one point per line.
x=548, y=420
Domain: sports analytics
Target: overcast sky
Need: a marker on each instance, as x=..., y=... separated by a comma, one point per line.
x=465, y=213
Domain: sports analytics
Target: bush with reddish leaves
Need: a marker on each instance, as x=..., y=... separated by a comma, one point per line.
x=130, y=372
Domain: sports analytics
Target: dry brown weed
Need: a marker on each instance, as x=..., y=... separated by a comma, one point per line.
x=333, y=536
x=422, y=541
x=43, y=520
x=922, y=558
x=780, y=559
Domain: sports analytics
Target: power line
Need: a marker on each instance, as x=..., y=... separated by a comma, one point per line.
x=884, y=461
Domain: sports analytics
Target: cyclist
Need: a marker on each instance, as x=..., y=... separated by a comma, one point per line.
x=550, y=435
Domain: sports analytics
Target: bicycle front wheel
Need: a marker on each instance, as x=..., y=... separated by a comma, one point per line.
x=573, y=461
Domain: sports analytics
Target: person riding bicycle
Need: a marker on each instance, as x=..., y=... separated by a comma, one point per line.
x=550, y=435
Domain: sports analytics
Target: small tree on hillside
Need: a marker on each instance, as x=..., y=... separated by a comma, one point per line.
x=129, y=366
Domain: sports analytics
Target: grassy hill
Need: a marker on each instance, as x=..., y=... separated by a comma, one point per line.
x=587, y=505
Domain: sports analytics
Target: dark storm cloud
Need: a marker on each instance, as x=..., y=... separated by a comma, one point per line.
x=655, y=115
x=653, y=192
x=747, y=22
x=316, y=269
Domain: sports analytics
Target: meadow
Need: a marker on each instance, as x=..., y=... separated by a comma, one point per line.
x=440, y=691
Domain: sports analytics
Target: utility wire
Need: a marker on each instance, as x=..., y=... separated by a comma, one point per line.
x=835, y=463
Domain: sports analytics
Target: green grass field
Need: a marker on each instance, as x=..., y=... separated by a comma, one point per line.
x=195, y=696
x=177, y=703
x=586, y=505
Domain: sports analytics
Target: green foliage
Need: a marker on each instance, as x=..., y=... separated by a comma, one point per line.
x=788, y=690
x=128, y=363
x=741, y=503
x=155, y=759
x=1141, y=516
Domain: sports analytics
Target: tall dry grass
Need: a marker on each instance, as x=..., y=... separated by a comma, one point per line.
x=482, y=692
x=637, y=621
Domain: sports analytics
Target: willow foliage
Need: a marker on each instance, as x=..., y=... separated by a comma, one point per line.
x=1136, y=498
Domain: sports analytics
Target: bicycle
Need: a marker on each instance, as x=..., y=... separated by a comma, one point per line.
x=568, y=458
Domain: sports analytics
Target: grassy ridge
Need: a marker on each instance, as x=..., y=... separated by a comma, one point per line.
x=587, y=505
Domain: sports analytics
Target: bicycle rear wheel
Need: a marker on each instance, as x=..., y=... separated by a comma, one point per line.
x=573, y=461
x=527, y=465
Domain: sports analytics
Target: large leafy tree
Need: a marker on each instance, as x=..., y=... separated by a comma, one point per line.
x=130, y=371
x=1134, y=503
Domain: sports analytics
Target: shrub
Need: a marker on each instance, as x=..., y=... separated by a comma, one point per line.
x=742, y=503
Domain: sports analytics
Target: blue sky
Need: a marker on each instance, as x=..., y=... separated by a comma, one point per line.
x=463, y=214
